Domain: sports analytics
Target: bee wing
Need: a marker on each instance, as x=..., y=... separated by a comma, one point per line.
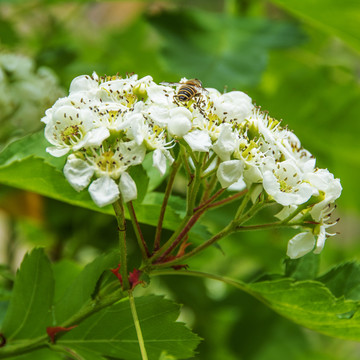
x=201, y=90
x=169, y=83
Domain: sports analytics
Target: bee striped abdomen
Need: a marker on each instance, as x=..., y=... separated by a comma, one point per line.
x=186, y=93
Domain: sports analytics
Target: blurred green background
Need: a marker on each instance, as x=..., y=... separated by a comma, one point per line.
x=297, y=59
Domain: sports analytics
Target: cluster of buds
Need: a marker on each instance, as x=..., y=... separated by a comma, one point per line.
x=108, y=124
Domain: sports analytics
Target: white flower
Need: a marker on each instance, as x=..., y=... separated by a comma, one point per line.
x=179, y=122
x=108, y=167
x=329, y=187
x=226, y=143
x=72, y=129
x=234, y=106
x=285, y=183
x=307, y=241
x=229, y=172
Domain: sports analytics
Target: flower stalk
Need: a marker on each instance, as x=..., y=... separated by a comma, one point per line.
x=120, y=217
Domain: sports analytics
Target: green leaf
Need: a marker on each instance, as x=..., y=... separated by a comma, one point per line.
x=155, y=179
x=65, y=271
x=220, y=49
x=24, y=164
x=304, y=268
x=111, y=332
x=29, y=311
x=141, y=179
x=339, y=18
x=33, y=145
x=344, y=280
x=311, y=304
x=80, y=290
x=43, y=354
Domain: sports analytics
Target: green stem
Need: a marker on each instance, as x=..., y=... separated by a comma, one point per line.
x=209, y=161
x=161, y=251
x=242, y=206
x=169, y=186
x=139, y=236
x=228, y=200
x=195, y=185
x=120, y=217
x=137, y=327
x=226, y=231
x=191, y=198
x=237, y=284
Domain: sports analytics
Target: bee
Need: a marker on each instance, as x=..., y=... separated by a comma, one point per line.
x=188, y=90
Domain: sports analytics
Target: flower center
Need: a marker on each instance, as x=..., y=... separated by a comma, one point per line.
x=71, y=134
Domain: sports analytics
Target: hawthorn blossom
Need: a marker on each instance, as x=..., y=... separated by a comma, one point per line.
x=108, y=124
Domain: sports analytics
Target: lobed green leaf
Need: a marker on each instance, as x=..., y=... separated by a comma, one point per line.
x=111, y=332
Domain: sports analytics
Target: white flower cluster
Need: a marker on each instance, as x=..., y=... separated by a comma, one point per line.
x=106, y=125
x=25, y=93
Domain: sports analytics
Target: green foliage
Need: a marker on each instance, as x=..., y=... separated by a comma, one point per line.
x=30, y=307
x=113, y=333
x=100, y=332
x=334, y=17
x=231, y=51
x=82, y=288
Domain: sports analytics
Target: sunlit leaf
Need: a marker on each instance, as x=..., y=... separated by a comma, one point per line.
x=339, y=18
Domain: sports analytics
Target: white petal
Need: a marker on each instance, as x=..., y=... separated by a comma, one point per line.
x=93, y=138
x=226, y=143
x=104, y=191
x=57, y=151
x=78, y=173
x=159, y=161
x=83, y=83
x=229, y=172
x=160, y=115
x=198, y=140
x=285, y=212
x=180, y=121
x=127, y=187
x=238, y=185
x=300, y=245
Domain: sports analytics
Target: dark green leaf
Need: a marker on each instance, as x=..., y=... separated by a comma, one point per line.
x=65, y=271
x=8, y=33
x=344, y=280
x=29, y=311
x=43, y=354
x=111, y=332
x=80, y=290
x=304, y=268
x=219, y=49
